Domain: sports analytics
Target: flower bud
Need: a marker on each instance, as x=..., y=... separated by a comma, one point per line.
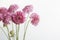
x=12, y=33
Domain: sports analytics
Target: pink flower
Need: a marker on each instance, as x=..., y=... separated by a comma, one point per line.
x=1, y=17
x=6, y=18
x=3, y=10
x=34, y=19
x=4, y=15
x=13, y=8
x=18, y=17
x=27, y=9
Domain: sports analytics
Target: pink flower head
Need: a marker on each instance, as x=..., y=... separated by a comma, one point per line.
x=18, y=17
x=6, y=18
x=3, y=10
x=27, y=9
x=34, y=19
x=1, y=17
x=13, y=8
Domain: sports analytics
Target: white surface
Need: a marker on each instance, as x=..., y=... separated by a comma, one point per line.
x=49, y=11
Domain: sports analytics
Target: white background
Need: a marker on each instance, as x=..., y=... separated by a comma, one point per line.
x=49, y=25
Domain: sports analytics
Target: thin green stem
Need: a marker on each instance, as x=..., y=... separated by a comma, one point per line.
x=13, y=38
x=12, y=26
x=8, y=32
x=4, y=31
x=26, y=20
x=25, y=30
x=12, y=29
x=18, y=30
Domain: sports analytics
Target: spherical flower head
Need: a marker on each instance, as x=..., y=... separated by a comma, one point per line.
x=34, y=19
x=18, y=17
x=27, y=9
x=3, y=10
x=13, y=8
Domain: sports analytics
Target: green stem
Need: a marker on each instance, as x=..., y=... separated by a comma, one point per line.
x=25, y=30
x=8, y=33
x=12, y=26
x=18, y=27
x=13, y=38
x=16, y=33
x=4, y=32
x=18, y=30
x=12, y=29
x=26, y=20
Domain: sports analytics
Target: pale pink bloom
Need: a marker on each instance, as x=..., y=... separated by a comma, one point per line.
x=13, y=8
x=18, y=17
x=34, y=19
x=3, y=10
x=27, y=9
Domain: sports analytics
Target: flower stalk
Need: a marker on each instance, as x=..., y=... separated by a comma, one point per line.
x=25, y=30
x=4, y=31
x=8, y=32
x=16, y=33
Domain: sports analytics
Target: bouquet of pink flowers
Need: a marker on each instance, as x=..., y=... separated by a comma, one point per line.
x=12, y=16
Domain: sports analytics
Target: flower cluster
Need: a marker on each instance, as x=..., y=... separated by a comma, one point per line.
x=18, y=17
